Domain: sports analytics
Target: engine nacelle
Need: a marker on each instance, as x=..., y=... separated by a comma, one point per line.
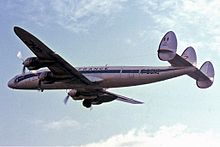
x=74, y=94
x=34, y=63
x=46, y=77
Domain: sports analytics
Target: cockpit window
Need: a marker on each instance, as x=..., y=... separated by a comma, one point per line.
x=23, y=77
x=18, y=79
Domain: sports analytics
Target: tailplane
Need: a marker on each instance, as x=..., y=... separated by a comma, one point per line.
x=167, y=52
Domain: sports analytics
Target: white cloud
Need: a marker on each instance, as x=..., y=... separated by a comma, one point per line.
x=71, y=14
x=63, y=123
x=80, y=15
x=197, y=20
x=173, y=136
x=130, y=42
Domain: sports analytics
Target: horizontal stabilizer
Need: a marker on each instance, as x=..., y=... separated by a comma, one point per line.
x=188, y=58
x=204, y=76
x=168, y=46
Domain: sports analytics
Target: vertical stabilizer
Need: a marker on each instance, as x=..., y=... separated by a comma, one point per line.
x=168, y=46
x=208, y=70
x=190, y=55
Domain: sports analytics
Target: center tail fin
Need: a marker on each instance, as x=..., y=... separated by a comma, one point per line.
x=167, y=52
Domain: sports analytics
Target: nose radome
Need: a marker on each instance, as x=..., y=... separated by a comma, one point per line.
x=11, y=83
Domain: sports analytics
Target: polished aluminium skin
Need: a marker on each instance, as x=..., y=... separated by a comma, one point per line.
x=90, y=83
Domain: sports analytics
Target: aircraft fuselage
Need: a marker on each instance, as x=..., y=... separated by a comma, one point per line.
x=104, y=77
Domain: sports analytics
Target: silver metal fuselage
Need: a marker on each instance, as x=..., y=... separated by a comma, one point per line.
x=104, y=77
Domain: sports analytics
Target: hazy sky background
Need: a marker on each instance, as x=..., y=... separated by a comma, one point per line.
x=113, y=32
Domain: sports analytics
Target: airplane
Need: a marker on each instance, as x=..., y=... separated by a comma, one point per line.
x=90, y=84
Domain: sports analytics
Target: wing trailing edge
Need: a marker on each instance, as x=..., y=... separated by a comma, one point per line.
x=124, y=99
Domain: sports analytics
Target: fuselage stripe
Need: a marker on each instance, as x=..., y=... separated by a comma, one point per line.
x=99, y=71
x=142, y=71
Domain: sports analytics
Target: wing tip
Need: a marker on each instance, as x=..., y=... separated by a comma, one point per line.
x=139, y=102
x=16, y=28
x=128, y=100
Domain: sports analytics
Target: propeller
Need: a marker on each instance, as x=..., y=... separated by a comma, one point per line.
x=91, y=108
x=19, y=55
x=23, y=69
x=39, y=86
x=66, y=98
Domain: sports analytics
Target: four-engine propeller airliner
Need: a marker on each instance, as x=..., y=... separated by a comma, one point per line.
x=90, y=83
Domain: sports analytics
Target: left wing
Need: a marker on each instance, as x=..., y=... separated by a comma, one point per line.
x=59, y=66
x=121, y=98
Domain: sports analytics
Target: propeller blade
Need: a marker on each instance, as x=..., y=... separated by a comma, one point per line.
x=66, y=99
x=23, y=70
x=19, y=55
x=91, y=108
x=39, y=86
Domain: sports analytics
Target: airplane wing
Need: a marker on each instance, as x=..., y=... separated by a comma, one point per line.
x=123, y=98
x=60, y=67
x=128, y=100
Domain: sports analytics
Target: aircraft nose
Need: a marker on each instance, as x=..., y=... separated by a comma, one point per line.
x=11, y=83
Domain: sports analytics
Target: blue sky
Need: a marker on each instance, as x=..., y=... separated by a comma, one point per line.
x=113, y=32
